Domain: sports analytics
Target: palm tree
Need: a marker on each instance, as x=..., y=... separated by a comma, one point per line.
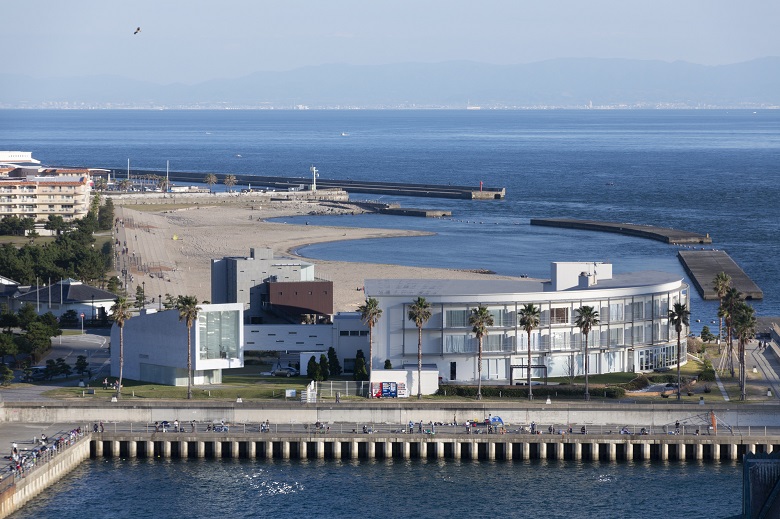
x=370, y=313
x=120, y=312
x=721, y=283
x=210, y=180
x=744, y=323
x=230, y=181
x=125, y=185
x=678, y=316
x=419, y=312
x=480, y=319
x=188, y=311
x=529, y=319
x=587, y=318
x=731, y=301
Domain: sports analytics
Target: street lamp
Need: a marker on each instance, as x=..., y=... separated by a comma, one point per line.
x=159, y=302
x=82, y=323
x=143, y=294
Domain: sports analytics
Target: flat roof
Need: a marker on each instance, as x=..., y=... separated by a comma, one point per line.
x=465, y=287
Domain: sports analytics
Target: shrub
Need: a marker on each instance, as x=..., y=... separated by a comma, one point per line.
x=707, y=375
x=640, y=382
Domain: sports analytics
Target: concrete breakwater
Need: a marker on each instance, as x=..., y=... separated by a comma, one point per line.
x=322, y=445
x=18, y=491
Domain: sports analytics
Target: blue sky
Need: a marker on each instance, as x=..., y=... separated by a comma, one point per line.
x=190, y=41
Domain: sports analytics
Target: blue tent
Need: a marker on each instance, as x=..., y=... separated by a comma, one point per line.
x=496, y=420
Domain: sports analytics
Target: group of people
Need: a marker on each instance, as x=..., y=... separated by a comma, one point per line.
x=110, y=385
x=21, y=461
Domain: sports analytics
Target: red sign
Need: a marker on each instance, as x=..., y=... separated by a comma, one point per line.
x=82, y=315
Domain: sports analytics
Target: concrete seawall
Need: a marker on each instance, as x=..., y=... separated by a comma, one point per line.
x=507, y=447
x=386, y=412
x=35, y=481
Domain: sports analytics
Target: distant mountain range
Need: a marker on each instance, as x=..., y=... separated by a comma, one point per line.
x=558, y=83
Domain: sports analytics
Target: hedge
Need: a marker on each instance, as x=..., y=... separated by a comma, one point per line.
x=572, y=392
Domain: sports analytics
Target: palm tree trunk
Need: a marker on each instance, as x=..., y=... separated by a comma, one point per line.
x=370, y=358
x=121, y=360
x=419, y=363
x=720, y=331
x=679, y=388
x=587, y=388
x=479, y=371
x=189, y=364
x=530, y=391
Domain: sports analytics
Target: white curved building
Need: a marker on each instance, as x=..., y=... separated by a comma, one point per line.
x=633, y=335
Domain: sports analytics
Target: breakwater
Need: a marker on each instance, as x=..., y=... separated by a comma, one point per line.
x=652, y=232
x=350, y=186
x=324, y=445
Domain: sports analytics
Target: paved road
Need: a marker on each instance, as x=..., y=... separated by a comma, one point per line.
x=69, y=347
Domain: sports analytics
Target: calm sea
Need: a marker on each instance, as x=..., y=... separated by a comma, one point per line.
x=393, y=489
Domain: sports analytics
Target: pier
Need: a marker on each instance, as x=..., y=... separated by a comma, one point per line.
x=350, y=186
x=507, y=447
x=663, y=234
x=703, y=265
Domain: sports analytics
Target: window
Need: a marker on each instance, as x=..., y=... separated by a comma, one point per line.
x=559, y=316
x=456, y=318
x=344, y=333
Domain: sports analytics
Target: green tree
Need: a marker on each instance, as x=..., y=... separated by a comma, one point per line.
x=587, y=318
x=81, y=364
x=120, y=313
x=7, y=346
x=313, y=370
x=106, y=215
x=706, y=335
x=678, y=317
x=721, y=283
x=230, y=181
x=210, y=180
x=63, y=368
x=370, y=313
x=169, y=302
x=744, y=323
x=51, y=369
x=188, y=311
x=36, y=341
x=8, y=319
x=57, y=224
x=530, y=316
x=324, y=371
x=140, y=297
x=26, y=316
x=388, y=364
x=6, y=375
x=360, y=366
x=480, y=319
x=419, y=313
x=334, y=367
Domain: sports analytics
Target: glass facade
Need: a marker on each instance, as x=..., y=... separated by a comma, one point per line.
x=219, y=335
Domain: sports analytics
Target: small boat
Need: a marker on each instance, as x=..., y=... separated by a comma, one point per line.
x=344, y=134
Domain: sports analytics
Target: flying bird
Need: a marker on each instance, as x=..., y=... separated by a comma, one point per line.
x=137, y=30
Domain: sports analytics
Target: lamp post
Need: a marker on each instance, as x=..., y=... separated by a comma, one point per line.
x=143, y=294
x=159, y=303
x=93, y=309
x=82, y=323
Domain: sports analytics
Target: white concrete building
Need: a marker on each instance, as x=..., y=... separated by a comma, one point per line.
x=155, y=345
x=634, y=333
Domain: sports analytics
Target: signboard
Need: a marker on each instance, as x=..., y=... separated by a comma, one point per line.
x=389, y=390
x=289, y=393
x=82, y=315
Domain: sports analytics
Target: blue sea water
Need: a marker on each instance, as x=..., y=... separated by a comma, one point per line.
x=393, y=489
x=707, y=171
x=712, y=172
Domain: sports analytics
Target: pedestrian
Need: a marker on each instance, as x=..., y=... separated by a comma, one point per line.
x=419, y=428
x=101, y=427
x=192, y=426
x=411, y=427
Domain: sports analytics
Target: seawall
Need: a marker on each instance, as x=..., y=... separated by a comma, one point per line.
x=318, y=444
x=19, y=491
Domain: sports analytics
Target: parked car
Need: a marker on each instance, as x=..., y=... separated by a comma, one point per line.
x=36, y=373
x=286, y=372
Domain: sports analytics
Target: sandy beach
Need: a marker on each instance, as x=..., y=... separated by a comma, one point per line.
x=172, y=246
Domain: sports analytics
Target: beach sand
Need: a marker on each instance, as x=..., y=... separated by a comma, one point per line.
x=176, y=245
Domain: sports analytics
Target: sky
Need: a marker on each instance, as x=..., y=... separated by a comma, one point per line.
x=190, y=41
